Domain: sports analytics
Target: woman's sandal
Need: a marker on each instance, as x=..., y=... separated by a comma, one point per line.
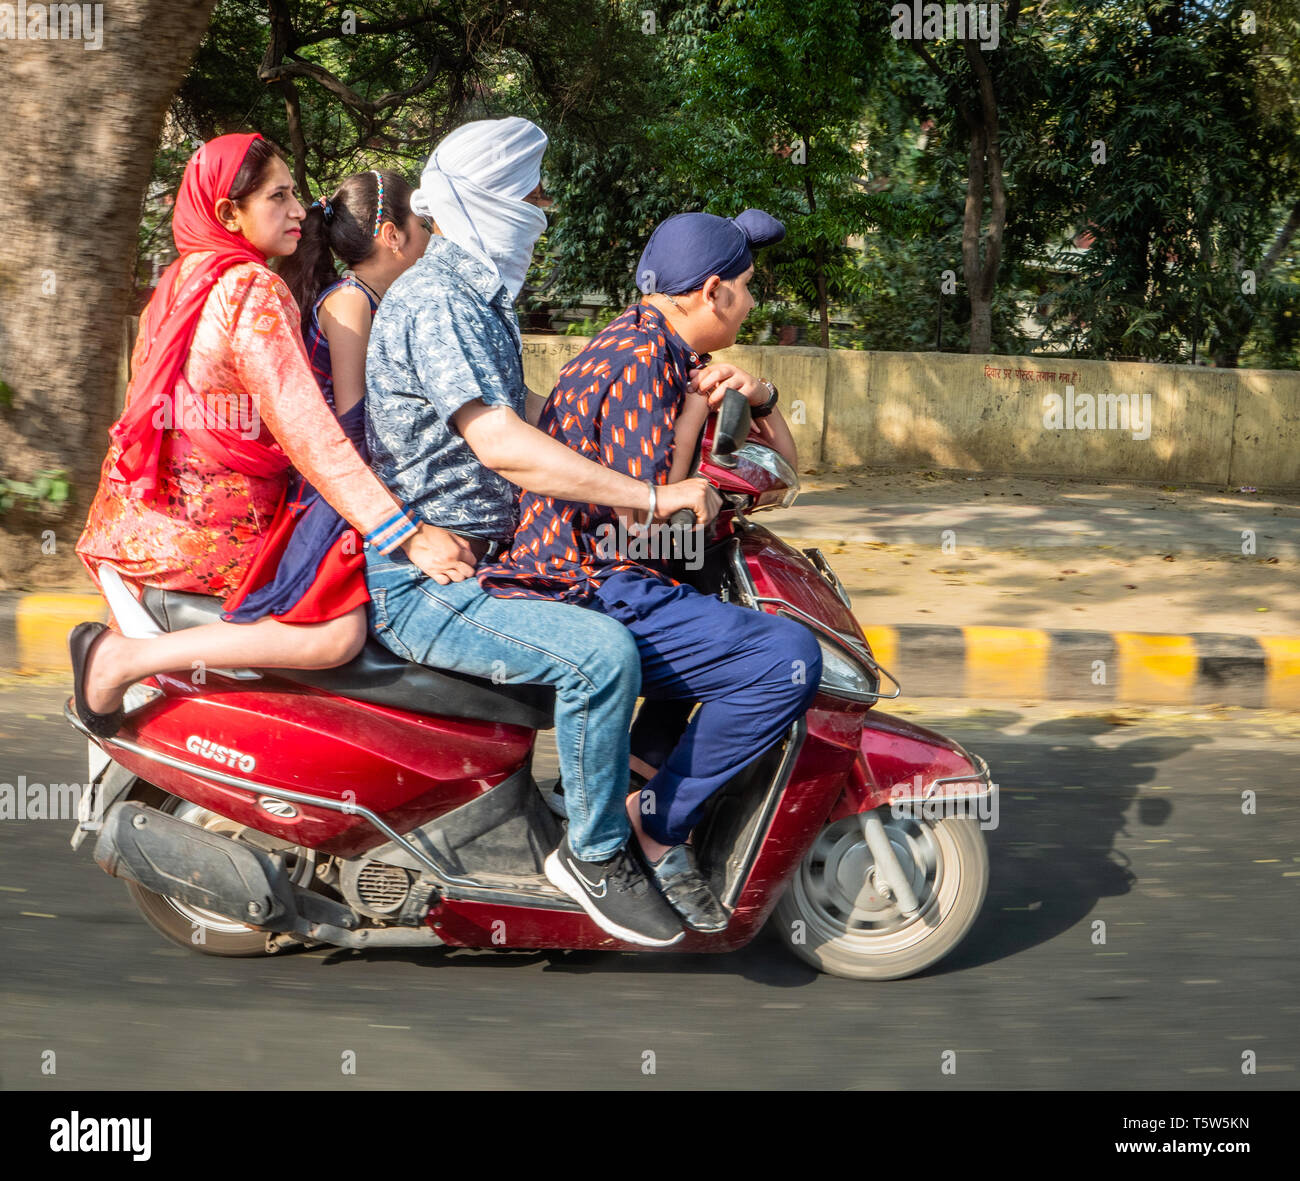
x=81, y=640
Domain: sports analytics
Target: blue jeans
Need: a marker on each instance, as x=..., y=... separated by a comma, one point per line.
x=592, y=661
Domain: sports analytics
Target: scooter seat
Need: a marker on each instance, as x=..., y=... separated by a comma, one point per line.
x=381, y=677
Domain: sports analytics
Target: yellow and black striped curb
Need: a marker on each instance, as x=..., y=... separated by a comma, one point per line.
x=1136, y=668
x=34, y=629
x=995, y=663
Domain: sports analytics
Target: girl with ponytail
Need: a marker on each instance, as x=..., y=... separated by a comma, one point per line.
x=310, y=558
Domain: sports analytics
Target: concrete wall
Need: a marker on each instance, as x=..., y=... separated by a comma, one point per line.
x=1022, y=415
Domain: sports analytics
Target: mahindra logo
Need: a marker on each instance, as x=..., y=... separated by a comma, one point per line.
x=207, y=749
x=280, y=808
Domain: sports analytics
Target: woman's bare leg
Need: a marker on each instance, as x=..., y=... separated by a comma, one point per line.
x=117, y=662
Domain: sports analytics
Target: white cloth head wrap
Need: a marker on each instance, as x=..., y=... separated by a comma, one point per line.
x=473, y=185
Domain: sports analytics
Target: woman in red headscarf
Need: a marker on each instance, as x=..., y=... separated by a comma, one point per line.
x=221, y=403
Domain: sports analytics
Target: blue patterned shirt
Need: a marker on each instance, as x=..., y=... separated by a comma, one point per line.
x=445, y=334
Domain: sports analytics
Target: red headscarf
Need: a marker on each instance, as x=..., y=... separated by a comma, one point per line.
x=159, y=397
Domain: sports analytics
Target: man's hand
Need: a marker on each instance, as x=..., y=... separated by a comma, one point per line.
x=696, y=494
x=443, y=556
x=714, y=380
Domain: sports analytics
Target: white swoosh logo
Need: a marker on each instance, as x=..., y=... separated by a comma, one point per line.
x=591, y=888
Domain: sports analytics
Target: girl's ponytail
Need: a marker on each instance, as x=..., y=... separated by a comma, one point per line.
x=310, y=268
x=343, y=225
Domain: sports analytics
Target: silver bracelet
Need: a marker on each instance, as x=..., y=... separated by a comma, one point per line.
x=654, y=503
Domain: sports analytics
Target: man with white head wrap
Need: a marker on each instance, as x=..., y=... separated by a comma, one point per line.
x=451, y=429
x=474, y=187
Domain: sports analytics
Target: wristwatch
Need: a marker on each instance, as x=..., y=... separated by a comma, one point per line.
x=767, y=407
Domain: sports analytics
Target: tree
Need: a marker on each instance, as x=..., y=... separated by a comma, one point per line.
x=990, y=77
x=76, y=148
x=772, y=117
x=380, y=87
x=1173, y=144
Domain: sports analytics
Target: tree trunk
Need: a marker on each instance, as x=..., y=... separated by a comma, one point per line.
x=76, y=150
x=823, y=304
x=981, y=325
x=984, y=160
x=1227, y=354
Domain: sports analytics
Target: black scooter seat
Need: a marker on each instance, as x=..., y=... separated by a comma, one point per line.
x=381, y=677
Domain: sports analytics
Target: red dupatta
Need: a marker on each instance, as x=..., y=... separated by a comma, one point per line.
x=159, y=398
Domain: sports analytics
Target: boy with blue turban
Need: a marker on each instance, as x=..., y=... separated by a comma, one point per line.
x=635, y=400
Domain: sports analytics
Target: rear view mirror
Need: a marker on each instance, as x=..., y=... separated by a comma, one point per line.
x=731, y=428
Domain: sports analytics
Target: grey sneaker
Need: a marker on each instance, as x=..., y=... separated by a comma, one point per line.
x=617, y=895
x=680, y=881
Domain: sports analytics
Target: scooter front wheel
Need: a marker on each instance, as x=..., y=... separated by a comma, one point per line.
x=835, y=915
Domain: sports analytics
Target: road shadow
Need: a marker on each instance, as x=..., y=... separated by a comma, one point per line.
x=1052, y=855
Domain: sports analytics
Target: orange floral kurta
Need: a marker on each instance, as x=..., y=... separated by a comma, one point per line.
x=204, y=528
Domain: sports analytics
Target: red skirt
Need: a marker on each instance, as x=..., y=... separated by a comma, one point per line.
x=339, y=585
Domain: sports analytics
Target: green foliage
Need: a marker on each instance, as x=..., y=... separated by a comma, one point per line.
x=1199, y=126
x=811, y=110
x=48, y=488
x=772, y=117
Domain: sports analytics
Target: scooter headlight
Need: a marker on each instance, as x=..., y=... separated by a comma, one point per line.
x=843, y=675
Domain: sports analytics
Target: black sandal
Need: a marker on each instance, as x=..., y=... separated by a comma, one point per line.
x=81, y=640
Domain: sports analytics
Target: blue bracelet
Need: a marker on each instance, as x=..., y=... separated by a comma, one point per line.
x=404, y=534
x=389, y=534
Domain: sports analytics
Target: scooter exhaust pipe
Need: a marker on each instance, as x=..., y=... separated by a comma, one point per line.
x=204, y=869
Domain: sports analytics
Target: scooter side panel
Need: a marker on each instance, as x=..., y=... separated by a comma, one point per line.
x=780, y=571
x=408, y=769
x=816, y=781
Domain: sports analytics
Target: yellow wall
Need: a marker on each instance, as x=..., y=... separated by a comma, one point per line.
x=1200, y=425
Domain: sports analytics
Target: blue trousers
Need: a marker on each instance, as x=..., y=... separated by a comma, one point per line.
x=752, y=673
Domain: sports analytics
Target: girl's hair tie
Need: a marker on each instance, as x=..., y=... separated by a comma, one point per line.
x=327, y=210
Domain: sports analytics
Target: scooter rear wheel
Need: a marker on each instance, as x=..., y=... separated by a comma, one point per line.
x=833, y=916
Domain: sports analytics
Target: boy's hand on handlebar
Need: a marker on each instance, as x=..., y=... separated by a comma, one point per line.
x=715, y=379
x=443, y=556
x=696, y=494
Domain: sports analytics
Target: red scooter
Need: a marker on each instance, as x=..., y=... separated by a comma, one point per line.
x=386, y=804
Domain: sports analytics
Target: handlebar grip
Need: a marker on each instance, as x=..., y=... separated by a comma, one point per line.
x=683, y=518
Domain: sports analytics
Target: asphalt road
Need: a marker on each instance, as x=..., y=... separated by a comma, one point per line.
x=1138, y=826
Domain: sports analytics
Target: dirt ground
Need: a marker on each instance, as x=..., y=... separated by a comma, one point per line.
x=1066, y=590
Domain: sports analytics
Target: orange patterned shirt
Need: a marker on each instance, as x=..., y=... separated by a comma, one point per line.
x=205, y=525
